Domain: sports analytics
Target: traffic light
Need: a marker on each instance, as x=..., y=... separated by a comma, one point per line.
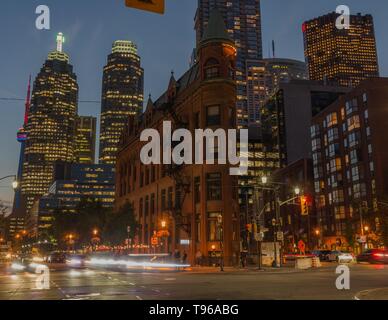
x=249, y=227
x=304, y=206
x=156, y=6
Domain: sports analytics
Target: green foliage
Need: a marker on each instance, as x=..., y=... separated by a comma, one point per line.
x=116, y=228
x=384, y=230
x=88, y=216
x=3, y=218
x=350, y=234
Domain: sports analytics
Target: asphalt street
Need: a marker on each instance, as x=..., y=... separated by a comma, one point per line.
x=86, y=284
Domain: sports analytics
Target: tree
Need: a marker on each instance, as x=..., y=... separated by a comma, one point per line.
x=350, y=234
x=116, y=228
x=88, y=216
x=3, y=218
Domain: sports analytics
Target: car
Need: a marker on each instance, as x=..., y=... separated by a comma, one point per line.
x=341, y=257
x=378, y=256
x=56, y=257
x=75, y=260
x=321, y=254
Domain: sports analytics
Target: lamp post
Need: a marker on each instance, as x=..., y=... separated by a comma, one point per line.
x=219, y=220
x=276, y=223
x=15, y=183
x=164, y=229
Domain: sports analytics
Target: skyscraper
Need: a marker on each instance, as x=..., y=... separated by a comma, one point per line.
x=263, y=78
x=243, y=21
x=22, y=137
x=85, y=140
x=51, y=123
x=345, y=56
x=122, y=96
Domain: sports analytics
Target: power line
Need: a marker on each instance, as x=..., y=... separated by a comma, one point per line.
x=20, y=99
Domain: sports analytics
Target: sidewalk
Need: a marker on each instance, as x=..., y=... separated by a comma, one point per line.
x=250, y=269
x=373, y=294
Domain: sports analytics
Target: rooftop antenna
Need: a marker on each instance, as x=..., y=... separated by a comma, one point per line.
x=273, y=49
x=28, y=102
x=60, y=42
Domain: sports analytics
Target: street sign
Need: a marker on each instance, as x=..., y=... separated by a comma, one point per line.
x=301, y=246
x=154, y=241
x=280, y=236
x=156, y=6
x=362, y=239
x=259, y=236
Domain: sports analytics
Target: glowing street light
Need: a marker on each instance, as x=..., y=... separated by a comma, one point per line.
x=264, y=180
x=297, y=191
x=164, y=224
x=15, y=183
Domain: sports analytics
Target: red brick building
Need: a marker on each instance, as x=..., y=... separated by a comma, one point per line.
x=183, y=204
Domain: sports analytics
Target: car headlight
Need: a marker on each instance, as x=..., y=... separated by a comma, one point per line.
x=17, y=266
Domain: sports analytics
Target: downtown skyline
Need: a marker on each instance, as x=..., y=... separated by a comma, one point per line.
x=132, y=25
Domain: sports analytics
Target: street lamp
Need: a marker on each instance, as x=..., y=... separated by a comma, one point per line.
x=15, y=183
x=264, y=180
x=297, y=191
x=219, y=220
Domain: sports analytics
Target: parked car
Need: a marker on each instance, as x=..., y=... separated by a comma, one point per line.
x=340, y=256
x=374, y=256
x=321, y=254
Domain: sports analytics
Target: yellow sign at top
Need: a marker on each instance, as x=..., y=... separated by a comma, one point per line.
x=156, y=6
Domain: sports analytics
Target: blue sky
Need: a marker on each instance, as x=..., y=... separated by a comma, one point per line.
x=165, y=43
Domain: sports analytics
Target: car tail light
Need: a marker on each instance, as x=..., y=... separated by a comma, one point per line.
x=379, y=255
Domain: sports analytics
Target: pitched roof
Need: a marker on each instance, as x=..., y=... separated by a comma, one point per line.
x=216, y=29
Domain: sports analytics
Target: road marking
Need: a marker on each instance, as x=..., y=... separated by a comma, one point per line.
x=88, y=295
x=138, y=298
x=132, y=284
x=170, y=279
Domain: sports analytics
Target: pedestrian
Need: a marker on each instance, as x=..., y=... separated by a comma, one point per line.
x=184, y=258
x=198, y=258
x=177, y=256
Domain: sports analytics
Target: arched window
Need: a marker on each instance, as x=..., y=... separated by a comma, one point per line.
x=212, y=69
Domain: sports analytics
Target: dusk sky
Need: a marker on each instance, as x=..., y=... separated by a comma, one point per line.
x=165, y=43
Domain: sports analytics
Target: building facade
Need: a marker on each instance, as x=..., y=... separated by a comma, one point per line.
x=341, y=56
x=350, y=164
x=182, y=205
x=72, y=183
x=122, y=96
x=85, y=139
x=51, y=123
x=286, y=117
x=243, y=21
x=263, y=78
x=296, y=224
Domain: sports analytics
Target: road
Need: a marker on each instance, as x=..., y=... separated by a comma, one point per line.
x=286, y=284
